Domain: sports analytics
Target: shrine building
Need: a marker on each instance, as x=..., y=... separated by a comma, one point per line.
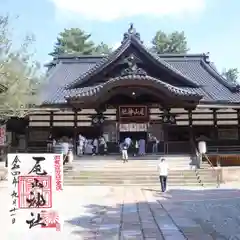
x=135, y=92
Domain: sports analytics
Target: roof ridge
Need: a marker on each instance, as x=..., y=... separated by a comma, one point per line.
x=107, y=59
x=167, y=65
x=182, y=55
x=231, y=86
x=129, y=38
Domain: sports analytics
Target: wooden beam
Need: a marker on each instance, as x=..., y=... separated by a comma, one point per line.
x=51, y=119
x=190, y=117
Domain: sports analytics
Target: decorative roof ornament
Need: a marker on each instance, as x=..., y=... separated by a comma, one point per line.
x=131, y=33
x=132, y=69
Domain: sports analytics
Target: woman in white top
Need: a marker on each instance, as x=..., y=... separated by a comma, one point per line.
x=65, y=149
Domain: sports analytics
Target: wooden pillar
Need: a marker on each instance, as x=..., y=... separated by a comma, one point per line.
x=75, y=130
x=51, y=122
x=215, y=124
x=165, y=132
x=238, y=116
x=26, y=138
x=191, y=135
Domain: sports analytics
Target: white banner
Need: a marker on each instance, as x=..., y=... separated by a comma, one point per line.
x=35, y=191
x=132, y=127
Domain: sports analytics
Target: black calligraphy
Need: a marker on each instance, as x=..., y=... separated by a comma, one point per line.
x=132, y=112
x=36, y=198
x=37, y=168
x=15, y=172
x=35, y=221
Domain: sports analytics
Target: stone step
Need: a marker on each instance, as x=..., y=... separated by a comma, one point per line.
x=133, y=161
x=195, y=184
x=177, y=178
x=128, y=164
x=139, y=158
x=138, y=172
x=135, y=173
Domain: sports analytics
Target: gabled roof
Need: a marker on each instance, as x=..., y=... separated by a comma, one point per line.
x=130, y=38
x=68, y=69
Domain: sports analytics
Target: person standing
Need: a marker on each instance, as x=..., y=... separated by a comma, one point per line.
x=136, y=148
x=125, y=152
x=155, y=145
x=50, y=143
x=142, y=147
x=128, y=141
x=65, y=149
x=95, y=146
x=163, y=174
x=102, y=146
x=81, y=144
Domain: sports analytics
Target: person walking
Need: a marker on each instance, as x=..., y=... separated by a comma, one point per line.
x=125, y=152
x=163, y=174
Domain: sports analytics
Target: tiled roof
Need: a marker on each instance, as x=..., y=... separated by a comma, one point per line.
x=107, y=60
x=193, y=66
x=64, y=72
x=67, y=70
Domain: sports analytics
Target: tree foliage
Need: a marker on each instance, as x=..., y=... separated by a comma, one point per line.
x=73, y=40
x=103, y=48
x=19, y=73
x=174, y=42
x=231, y=74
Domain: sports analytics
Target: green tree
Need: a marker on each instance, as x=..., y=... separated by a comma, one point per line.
x=73, y=40
x=174, y=42
x=103, y=48
x=19, y=73
x=231, y=74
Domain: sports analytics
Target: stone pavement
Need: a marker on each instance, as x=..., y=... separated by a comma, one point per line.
x=106, y=213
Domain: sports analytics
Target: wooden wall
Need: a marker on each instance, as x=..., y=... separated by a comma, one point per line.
x=197, y=117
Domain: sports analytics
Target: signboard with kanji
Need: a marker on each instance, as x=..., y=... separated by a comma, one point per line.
x=137, y=112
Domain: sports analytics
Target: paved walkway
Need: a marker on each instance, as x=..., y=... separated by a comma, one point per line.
x=105, y=213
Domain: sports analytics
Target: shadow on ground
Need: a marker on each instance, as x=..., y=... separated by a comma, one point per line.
x=194, y=219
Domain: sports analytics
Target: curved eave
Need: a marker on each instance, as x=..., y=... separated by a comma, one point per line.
x=139, y=81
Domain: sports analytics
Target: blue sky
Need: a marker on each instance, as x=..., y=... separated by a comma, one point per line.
x=210, y=25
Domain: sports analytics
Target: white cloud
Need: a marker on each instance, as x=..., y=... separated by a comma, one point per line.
x=109, y=10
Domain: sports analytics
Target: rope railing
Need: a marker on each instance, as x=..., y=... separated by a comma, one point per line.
x=216, y=172
x=199, y=157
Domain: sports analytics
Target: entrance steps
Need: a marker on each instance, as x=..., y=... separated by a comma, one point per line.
x=150, y=161
x=135, y=172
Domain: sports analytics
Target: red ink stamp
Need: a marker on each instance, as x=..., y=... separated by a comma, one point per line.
x=50, y=219
x=35, y=192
